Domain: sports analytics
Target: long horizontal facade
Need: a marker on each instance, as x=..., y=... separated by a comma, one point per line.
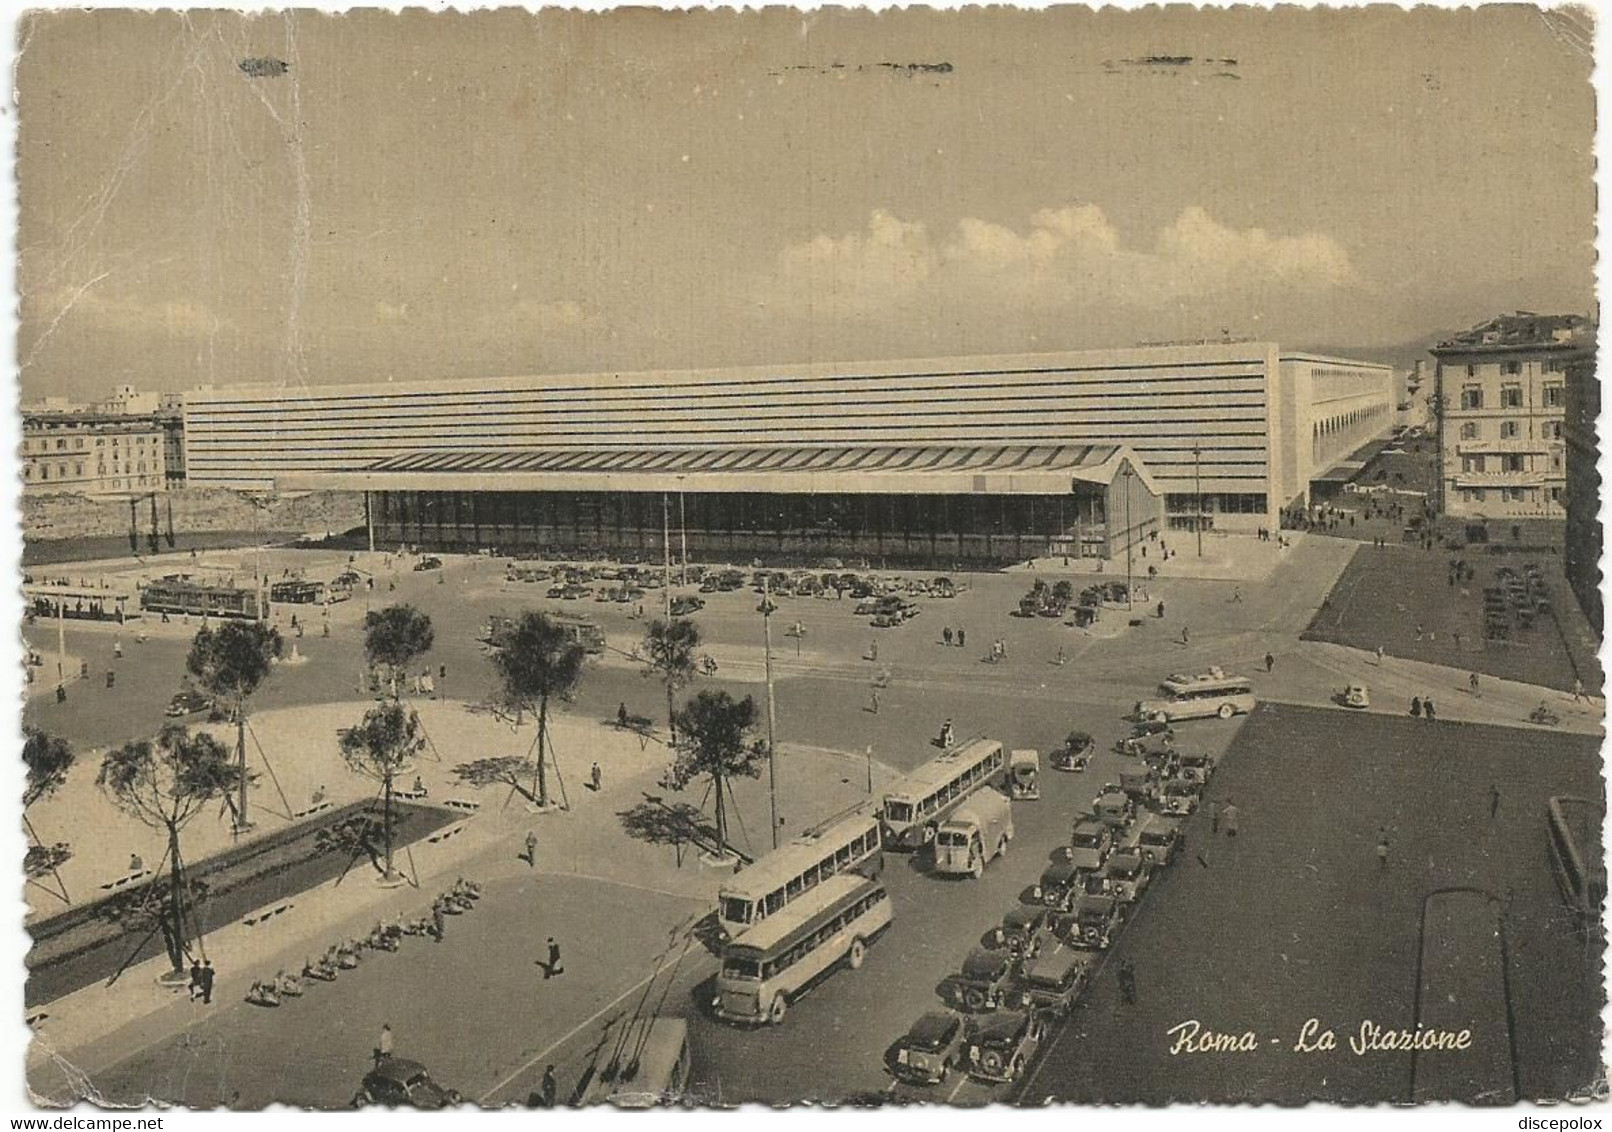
x=1229, y=433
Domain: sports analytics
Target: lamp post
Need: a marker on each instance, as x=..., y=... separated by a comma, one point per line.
x=666, y=548
x=1129, y=536
x=1197, y=486
x=682, y=534
x=772, y=736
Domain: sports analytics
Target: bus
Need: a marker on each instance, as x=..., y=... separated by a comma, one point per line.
x=181, y=593
x=654, y=1070
x=915, y=806
x=773, y=963
x=578, y=630
x=1577, y=858
x=1212, y=693
x=851, y=844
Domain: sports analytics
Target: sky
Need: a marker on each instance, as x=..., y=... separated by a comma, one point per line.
x=447, y=196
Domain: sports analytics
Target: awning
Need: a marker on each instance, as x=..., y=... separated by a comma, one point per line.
x=1041, y=469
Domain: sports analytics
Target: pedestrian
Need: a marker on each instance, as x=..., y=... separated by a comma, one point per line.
x=621, y=714
x=1185, y=637
x=1379, y=656
x=1494, y=801
x=1418, y=632
x=1237, y=593
x=1416, y=706
x=1578, y=691
x=1270, y=662
x=962, y=638
x=195, y=979
x=551, y=1088
x=597, y=778
x=1427, y=709
x=1062, y=660
x=383, y=1048
x=946, y=636
x=873, y=650
x=1472, y=682
x=1382, y=852
x=1214, y=819
x=553, y=967
x=1127, y=982
x=207, y=975
x=1229, y=815
x=1161, y=611
x=530, y=856
x=873, y=701
x=438, y=926
x=442, y=671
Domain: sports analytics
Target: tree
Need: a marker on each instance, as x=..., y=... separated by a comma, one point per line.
x=714, y=742
x=231, y=661
x=163, y=785
x=673, y=652
x=1063, y=591
x=394, y=637
x=507, y=770
x=387, y=740
x=536, y=662
x=46, y=758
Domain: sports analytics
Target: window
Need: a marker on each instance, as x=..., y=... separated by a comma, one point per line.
x=1472, y=397
x=1471, y=370
x=1555, y=461
x=44, y=471
x=1472, y=463
x=1476, y=494
x=1511, y=369
x=78, y=442
x=61, y=471
x=60, y=444
x=1469, y=430
x=78, y=469
x=1553, y=430
x=1513, y=494
x=1511, y=396
x=1554, y=396
x=27, y=471
x=1509, y=430
x=1512, y=463
x=1556, y=495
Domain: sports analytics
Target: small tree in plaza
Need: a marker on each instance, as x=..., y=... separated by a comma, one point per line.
x=230, y=662
x=46, y=759
x=394, y=638
x=163, y=785
x=672, y=648
x=536, y=662
x=380, y=747
x=714, y=742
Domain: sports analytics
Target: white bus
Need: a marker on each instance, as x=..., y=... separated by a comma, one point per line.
x=915, y=806
x=977, y=832
x=763, y=971
x=654, y=1070
x=1576, y=857
x=1199, y=697
x=850, y=844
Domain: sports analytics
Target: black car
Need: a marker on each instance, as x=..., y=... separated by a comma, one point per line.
x=683, y=606
x=984, y=980
x=1001, y=1047
x=429, y=562
x=187, y=703
x=398, y=1082
x=929, y=1050
x=1053, y=980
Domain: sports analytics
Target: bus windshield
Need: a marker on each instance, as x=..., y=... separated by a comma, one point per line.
x=951, y=837
x=898, y=811
x=741, y=967
x=735, y=910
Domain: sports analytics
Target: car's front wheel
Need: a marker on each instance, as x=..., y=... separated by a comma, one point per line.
x=1227, y=711
x=858, y=954
x=775, y=1014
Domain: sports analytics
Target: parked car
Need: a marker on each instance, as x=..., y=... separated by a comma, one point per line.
x=187, y=703
x=1113, y=807
x=399, y=1082
x=1002, y=1047
x=1052, y=981
x=984, y=979
x=1089, y=844
x=886, y=621
x=1355, y=696
x=1058, y=881
x=1125, y=876
x=1075, y=753
x=1021, y=928
x=1157, y=837
x=683, y=606
x=1095, y=920
x=1179, y=796
x=931, y=1047
x=429, y=562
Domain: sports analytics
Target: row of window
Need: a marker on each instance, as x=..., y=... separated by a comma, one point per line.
x=1551, y=396
x=1512, y=494
x=962, y=785
x=78, y=470
x=842, y=859
x=823, y=934
x=1509, y=462
x=1515, y=368
x=1223, y=503
x=1511, y=430
x=43, y=443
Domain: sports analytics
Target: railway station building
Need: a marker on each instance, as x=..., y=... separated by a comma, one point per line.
x=971, y=459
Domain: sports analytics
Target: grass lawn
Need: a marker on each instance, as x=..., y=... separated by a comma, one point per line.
x=1296, y=919
x=1386, y=595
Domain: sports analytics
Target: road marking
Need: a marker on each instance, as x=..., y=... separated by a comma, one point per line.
x=486, y=1097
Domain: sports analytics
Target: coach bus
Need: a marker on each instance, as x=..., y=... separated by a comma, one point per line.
x=773, y=963
x=654, y=1070
x=1574, y=826
x=578, y=630
x=915, y=806
x=180, y=593
x=849, y=845
x=1199, y=697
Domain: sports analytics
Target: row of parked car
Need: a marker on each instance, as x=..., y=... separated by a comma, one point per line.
x=1037, y=963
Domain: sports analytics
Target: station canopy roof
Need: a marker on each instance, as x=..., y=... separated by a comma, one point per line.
x=941, y=469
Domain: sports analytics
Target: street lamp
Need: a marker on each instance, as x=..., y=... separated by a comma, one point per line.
x=1130, y=535
x=1197, y=484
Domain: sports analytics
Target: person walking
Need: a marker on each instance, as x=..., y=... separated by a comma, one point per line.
x=553, y=967
x=438, y=924
x=1382, y=850
x=946, y=636
x=1161, y=611
x=1379, y=656
x=596, y=778
x=1127, y=982
x=1214, y=819
x=1230, y=816
x=1416, y=706
x=1062, y=659
x=1186, y=638
x=551, y=1088
x=621, y=715
x=1494, y=801
x=1270, y=662
x=873, y=701
x=530, y=856
x=383, y=1047
x=1578, y=691
x=207, y=976
x=962, y=638
x=195, y=979
x=1427, y=709
x=1472, y=682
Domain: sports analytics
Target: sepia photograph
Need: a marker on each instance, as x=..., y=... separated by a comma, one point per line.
x=633, y=559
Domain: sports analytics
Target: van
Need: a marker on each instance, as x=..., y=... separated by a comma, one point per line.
x=977, y=832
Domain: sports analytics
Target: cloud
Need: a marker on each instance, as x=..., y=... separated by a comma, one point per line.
x=176, y=318
x=1070, y=260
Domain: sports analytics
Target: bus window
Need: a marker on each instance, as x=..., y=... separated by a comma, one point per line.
x=792, y=888
x=898, y=811
x=775, y=901
x=736, y=910
x=842, y=856
x=739, y=967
